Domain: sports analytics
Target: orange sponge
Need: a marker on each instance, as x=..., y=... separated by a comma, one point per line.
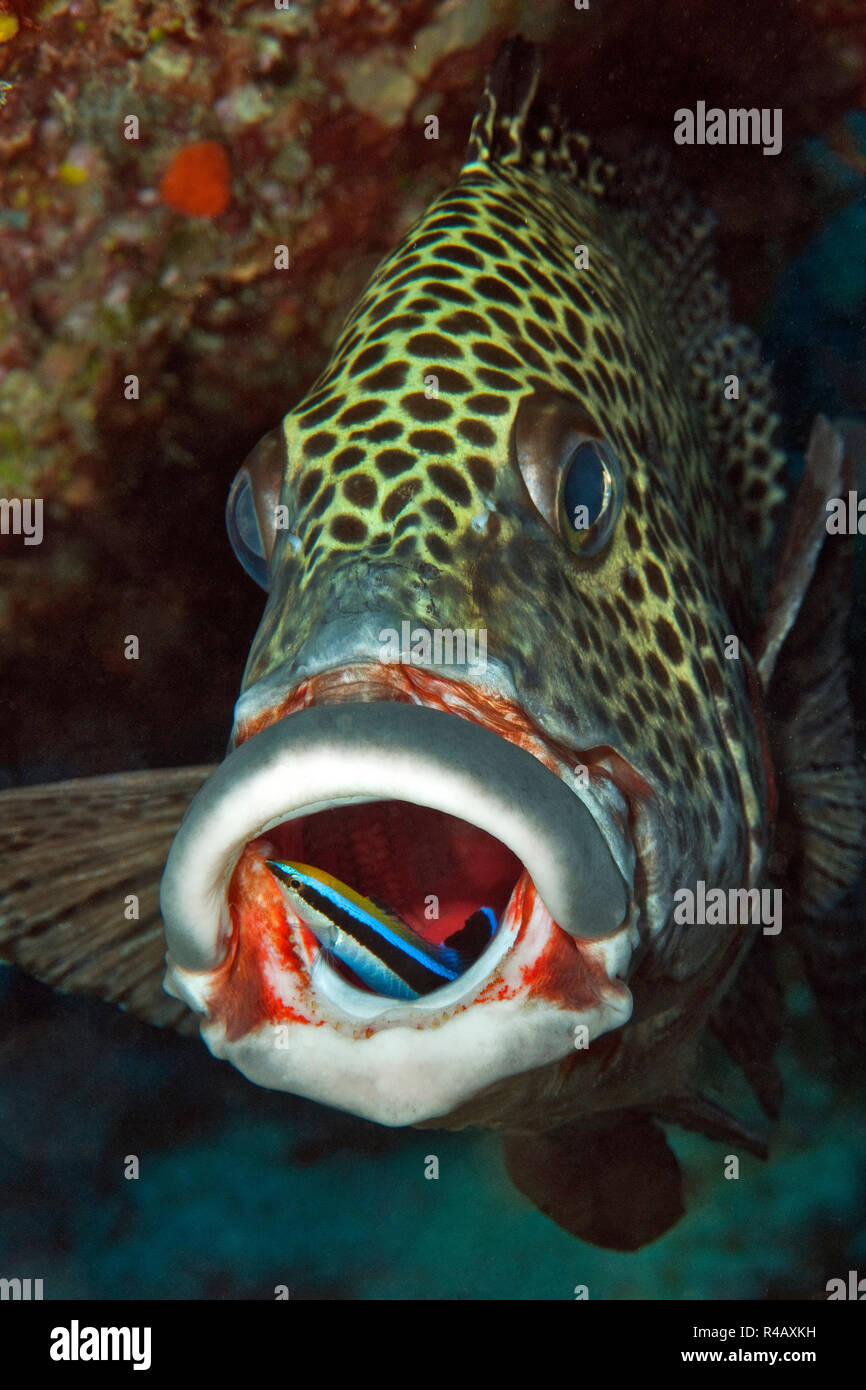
x=198, y=180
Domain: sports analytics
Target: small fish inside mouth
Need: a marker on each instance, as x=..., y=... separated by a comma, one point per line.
x=381, y=925
x=375, y=945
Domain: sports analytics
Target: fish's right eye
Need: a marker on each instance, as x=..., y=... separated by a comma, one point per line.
x=242, y=525
x=251, y=509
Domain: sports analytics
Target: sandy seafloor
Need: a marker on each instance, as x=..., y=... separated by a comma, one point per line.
x=242, y=1190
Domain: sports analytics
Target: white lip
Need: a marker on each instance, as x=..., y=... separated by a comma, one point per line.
x=392, y=1061
x=406, y=1073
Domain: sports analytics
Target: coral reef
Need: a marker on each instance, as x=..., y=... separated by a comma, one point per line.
x=121, y=255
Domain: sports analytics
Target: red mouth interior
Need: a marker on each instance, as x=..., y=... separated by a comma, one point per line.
x=413, y=859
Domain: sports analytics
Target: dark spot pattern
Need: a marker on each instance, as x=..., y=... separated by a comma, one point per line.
x=360, y=413
x=405, y=449
x=387, y=378
x=432, y=441
x=421, y=407
x=361, y=489
x=318, y=444
x=476, y=432
x=350, y=530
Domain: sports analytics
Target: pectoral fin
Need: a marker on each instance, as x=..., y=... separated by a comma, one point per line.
x=80, y=866
x=613, y=1183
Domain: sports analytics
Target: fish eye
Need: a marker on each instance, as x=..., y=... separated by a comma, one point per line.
x=242, y=525
x=589, y=496
x=574, y=477
x=294, y=883
x=252, y=503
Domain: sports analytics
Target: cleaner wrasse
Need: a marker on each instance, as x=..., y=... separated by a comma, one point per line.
x=383, y=951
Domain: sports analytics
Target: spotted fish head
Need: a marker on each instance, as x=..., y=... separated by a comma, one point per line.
x=507, y=540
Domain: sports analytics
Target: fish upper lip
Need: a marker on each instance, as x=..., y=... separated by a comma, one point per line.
x=387, y=750
x=612, y=794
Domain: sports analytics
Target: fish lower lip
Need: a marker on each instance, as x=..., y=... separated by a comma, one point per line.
x=327, y=756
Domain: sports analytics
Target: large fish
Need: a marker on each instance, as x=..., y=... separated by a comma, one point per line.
x=540, y=438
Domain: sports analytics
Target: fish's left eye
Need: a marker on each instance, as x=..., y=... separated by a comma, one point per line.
x=573, y=474
x=590, y=496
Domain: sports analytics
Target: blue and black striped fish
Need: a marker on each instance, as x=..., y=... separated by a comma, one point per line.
x=384, y=952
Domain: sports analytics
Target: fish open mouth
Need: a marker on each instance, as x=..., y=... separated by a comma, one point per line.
x=421, y=804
